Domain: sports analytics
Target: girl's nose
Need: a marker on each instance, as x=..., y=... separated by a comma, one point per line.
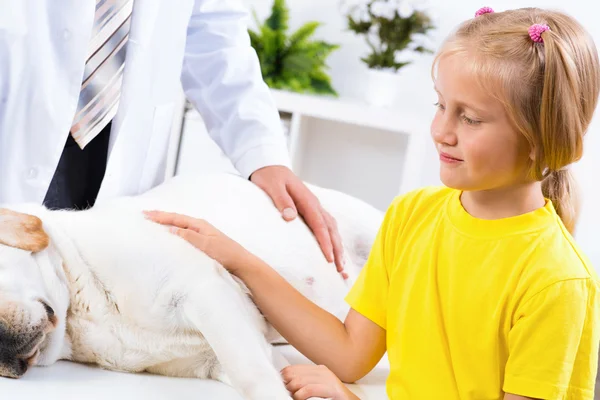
x=443, y=130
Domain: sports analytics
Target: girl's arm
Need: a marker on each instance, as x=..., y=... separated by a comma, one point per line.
x=350, y=349
x=509, y=396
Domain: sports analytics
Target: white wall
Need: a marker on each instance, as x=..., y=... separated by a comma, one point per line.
x=417, y=95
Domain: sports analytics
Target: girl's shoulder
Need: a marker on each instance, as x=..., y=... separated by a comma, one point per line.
x=558, y=256
x=430, y=198
x=419, y=206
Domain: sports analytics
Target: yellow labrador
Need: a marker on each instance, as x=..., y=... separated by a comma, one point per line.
x=106, y=286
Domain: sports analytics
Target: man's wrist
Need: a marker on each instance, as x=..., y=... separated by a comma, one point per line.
x=261, y=156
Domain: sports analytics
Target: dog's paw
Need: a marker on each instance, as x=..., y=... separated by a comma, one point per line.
x=223, y=378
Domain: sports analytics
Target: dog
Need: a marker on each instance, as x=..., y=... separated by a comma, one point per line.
x=108, y=287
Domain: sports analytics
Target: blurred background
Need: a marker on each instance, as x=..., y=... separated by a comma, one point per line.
x=360, y=122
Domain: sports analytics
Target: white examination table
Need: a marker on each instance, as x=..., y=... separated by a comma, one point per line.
x=65, y=381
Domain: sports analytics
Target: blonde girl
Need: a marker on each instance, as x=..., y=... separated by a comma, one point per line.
x=476, y=289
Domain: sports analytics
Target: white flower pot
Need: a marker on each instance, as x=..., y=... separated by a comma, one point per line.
x=381, y=87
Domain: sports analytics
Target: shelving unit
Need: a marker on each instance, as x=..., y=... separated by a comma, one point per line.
x=368, y=152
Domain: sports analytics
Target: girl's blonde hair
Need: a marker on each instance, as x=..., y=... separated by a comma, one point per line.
x=549, y=89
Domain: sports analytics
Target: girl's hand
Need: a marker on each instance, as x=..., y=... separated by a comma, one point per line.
x=205, y=237
x=306, y=381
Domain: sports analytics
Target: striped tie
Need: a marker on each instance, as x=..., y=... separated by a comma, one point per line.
x=101, y=87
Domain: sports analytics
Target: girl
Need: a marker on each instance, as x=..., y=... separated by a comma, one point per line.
x=476, y=290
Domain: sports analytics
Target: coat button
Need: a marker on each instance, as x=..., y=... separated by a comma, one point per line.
x=32, y=173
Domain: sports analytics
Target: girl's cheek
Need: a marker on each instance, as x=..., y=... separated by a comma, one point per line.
x=434, y=127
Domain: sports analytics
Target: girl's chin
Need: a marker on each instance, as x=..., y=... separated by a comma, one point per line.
x=452, y=180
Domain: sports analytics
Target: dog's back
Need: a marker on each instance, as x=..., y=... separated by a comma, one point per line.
x=244, y=212
x=230, y=202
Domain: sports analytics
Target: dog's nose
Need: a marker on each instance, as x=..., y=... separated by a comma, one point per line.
x=20, y=367
x=15, y=350
x=49, y=310
x=52, y=319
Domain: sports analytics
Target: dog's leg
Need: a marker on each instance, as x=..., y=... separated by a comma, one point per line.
x=229, y=321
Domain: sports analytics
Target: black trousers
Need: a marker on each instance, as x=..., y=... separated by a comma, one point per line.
x=77, y=179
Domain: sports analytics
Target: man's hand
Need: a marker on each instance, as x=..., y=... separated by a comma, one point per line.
x=292, y=197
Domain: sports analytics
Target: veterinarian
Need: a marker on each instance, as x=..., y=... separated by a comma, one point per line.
x=88, y=90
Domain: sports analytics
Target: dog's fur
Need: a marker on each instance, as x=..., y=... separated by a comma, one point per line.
x=108, y=287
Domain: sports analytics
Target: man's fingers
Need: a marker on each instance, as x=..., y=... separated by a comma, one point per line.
x=336, y=241
x=310, y=209
x=338, y=250
x=314, y=219
x=283, y=202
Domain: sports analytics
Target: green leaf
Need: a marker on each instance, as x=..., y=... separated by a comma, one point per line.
x=256, y=19
x=317, y=51
x=387, y=38
x=270, y=50
x=299, y=63
x=321, y=83
x=303, y=33
x=291, y=62
x=399, y=65
x=323, y=87
x=255, y=40
x=421, y=49
x=359, y=27
x=278, y=21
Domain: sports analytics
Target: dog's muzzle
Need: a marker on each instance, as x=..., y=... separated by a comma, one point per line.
x=19, y=347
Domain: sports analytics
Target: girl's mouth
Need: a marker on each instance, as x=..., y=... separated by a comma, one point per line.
x=447, y=158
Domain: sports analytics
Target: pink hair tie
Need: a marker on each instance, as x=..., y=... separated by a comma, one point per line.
x=484, y=10
x=535, y=32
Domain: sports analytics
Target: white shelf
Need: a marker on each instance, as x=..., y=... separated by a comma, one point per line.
x=371, y=153
x=348, y=111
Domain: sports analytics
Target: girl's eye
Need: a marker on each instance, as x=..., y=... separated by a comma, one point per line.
x=438, y=105
x=470, y=121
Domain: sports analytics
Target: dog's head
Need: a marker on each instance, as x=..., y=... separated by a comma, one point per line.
x=26, y=315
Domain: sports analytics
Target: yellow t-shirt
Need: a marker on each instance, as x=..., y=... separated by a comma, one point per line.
x=474, y=308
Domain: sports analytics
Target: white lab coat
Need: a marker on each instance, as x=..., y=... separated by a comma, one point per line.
x=201, y=45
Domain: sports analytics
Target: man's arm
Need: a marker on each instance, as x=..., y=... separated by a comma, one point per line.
x=221, y=76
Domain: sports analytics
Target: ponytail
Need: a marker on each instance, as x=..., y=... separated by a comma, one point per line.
x=561, y=188
x=564, y=117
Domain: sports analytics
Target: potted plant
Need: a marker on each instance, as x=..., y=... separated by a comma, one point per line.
x=291, y=62
x=392, y=28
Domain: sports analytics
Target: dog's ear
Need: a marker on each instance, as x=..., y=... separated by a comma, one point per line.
x=22, y=231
